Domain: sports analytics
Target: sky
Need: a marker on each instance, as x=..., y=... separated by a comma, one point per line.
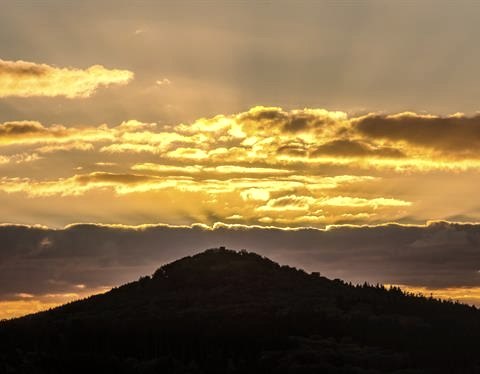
x=340, y=137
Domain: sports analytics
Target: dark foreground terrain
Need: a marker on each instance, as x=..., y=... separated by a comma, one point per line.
x=236, y=312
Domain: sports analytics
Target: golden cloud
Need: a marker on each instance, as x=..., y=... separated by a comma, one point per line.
x=265, y=165
x=361, y=202
x=271, y=138
x=27, y=79
x=289, y=203
x=19, y=158
x=285, y=200
x=27, y=133
x=125, y=183
x=222, y=169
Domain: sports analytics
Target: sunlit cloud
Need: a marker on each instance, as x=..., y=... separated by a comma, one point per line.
x=77, y=146
x=265, y=165
x=274, y=137
x=124, y=183
x=163, y=82
x=30, y=132
x=19, y=158
x=26, y=79
x=360, y=202
x=255, y=194
x=288, y=203
x=168, y=168
x=222, y=169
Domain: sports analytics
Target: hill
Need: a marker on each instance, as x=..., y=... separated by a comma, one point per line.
x=223, y=311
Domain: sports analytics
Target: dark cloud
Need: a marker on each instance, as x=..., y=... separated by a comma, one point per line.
x=456, y=134
x=297, y=124
x=291, y=122
x=21, y=128
x=38, y=260
x=352, y=148
x=304, y=121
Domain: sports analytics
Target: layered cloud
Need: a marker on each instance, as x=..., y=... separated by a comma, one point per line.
x=40, y=267
x=401, y=142
x=27, y=79
x=264, y=166
x=273, y=136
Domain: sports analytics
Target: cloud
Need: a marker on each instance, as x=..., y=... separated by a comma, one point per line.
x=124, y=183
x=235, y=169
x=440, y=256
x=82, y=183
x=168, y=169
x=163, y=82
x=255, y=194
x=456, y=135
x=349, y=148
x=272, y=138
x=189, y=194
x=27, y=133
x=72, y=146
x=222, y=169
x=240, y=164
x=265, y=119
x=19, y=158
x=27, y=79
x=299, y=209
x=361, y=202
x=288, y=203
x=21, y=129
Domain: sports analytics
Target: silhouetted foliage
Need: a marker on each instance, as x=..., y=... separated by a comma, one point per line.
x=223, y=311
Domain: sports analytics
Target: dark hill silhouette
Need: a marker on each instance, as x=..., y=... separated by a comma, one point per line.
x=223, y=311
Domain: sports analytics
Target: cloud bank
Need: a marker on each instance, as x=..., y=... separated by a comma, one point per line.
x=262, y=166
x=44, y=265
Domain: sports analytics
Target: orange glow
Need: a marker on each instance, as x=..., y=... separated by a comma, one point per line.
x=26, y=303
x=467, y=295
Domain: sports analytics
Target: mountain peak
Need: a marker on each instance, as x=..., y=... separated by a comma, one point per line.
x=217, y=260
x=217, y=268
